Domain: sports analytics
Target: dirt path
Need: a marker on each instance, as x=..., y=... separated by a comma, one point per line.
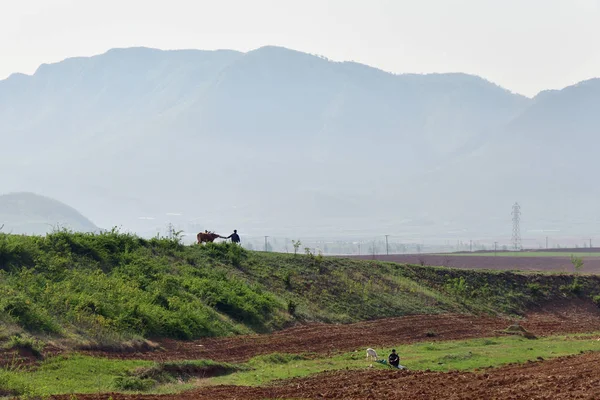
x=570, y=317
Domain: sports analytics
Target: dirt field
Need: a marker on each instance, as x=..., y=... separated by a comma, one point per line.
x=559, y=263
x=573, y=377
x=570, y=317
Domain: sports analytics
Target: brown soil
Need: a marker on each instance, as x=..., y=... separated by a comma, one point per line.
x=24, y=358
x=560, y=263
x=573, y=377
x=570, y=317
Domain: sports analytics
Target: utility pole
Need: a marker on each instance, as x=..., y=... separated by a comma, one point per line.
x=495, y=248
x=516, y=236
x=590, y=243
x=470, y=245
x=266, y=243
x=359, y=248
x=546, y=242
x=387, y=251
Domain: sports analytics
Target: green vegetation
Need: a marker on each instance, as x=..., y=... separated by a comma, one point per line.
x=438, y=356
x=105, y=289
x=75, y=374
x=81, y=374
x=25, y=342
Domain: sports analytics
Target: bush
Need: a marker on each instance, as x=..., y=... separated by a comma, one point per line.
x=291, y=307
x=575, y=288
x=25, y=343
x=134, y=383
x=457, y=287
x=535, y=289
x=26, y=313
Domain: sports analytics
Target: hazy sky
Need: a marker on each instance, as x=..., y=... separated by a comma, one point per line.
x=523, y=45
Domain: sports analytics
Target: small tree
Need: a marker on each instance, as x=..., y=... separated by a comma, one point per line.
x=297, y=245
x=577, y=263
x=578, y=266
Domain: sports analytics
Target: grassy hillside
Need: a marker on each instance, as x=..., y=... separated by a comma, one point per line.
x=114, y=286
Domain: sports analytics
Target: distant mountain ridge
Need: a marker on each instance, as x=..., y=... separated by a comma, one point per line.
x=278, y=140
x=29, y=213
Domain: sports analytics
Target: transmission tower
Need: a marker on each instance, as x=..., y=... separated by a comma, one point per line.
x=516, y=234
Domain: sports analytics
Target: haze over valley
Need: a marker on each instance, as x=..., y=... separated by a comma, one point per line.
x=284, y=143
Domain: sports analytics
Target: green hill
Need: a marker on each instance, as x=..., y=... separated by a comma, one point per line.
x=29, y=213
x=111, y=286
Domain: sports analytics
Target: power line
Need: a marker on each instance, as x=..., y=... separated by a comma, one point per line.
x=516, y=234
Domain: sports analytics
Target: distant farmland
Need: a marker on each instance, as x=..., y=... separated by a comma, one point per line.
x=548, y=260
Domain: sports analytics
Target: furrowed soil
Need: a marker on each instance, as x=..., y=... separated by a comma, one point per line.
x=560, y=263
x=572, y=316
x=572, y=377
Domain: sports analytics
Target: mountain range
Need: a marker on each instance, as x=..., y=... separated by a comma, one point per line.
x=280, y=142
x=28, y=213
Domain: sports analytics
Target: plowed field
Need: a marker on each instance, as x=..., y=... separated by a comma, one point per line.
x=560, y=263
x=325, y=339
x=574, y=377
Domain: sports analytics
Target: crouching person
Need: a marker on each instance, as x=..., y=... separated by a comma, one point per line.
x=394, y=360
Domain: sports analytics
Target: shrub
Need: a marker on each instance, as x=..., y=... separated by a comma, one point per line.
x=457, y=287
x=574, y=288
x=25, y=343
x=26, y=313
x=535, y=289
x=291, y=307
x=134, y=383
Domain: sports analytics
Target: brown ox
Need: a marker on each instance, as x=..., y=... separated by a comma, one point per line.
x=208, y=237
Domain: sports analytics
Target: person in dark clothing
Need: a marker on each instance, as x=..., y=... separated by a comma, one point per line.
x=235, y=238
x=394, y=359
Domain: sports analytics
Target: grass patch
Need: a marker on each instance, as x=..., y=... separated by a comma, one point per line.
x=277, y=359
x=441, y=356
x=82, y=374
x=74, y=374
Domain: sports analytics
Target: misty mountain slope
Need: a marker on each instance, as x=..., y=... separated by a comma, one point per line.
x=545, y=159
x=29, y=213
x=87, y=101
x=279, y=93
x=274, y=137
